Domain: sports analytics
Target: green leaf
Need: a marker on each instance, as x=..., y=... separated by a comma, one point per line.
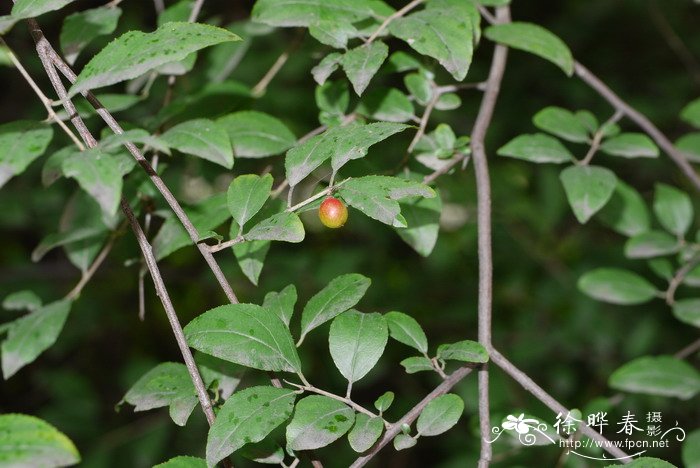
x=167, y=384
x=404, y=441
x=362, y=63
x=31, y=8
x=688, y=311
x=651, y=244
x=690, y=145
x=31, y=335
x=29, y=441
x=448, y=101
x=22, y=300
x=356, y=342
x=246, y=196
x=626, y=211
x=326, y=67
x=59, y=239
x=135, y=53
x=136, y=136
x=256, y=134
x=317, y=422
x=420, y=87
x=442, y=31
x=588, y=189
x=465, y=351
x=183, y=462
x=365, y=432
x=79, y=29
x=646, y=462
x=387, y=104
x=341, y=294
x=206, y=216
x=440, y=415
x=691, y=113
x=21, y=142
x=534, y=39
x=630, y=145
x=673, y=209
x=202, y=138
x=562, y=123
x=384, y=402
x=245, y=334
x=226, y=375
x=282, y=303
x=332, y=33
x=422, y=217
x=286, y=227
x=657, y=375
x=417, y=364
x=248, y=417
x=251, y=258
x=537, y=148
x=404, y=329
x=267, y=452
x=616, y=286
x=691, y=450
x=305, y=13
x=333, y=97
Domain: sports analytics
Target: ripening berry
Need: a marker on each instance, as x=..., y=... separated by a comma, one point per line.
x=333, y=213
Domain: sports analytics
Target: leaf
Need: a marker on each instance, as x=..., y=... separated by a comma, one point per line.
x=420, y=87
x=646, y=462
x=626, y=211
x=202, y=138
x=332, y=33
x=690, y=145
x=305, y=13
x=256, y=134
x=362, y=63
x=365, y=432
x=657, y=375
x=404, y=329
x=29, y=441
x=442, y=31
x=167, y=384
x=251, y=258
x=341, y=294
x=326, y=67
x=248, y=417
x=691, y=450
x=616, y=286
x=651, y=244
x=562, y=123
x=285, y=226
x=422, y=217
x=356, y=342
x=31, y=335
x=384, y=402
x=404, y=441
x=183, y=462
x=440, y=415
x=135, y=53
x=417, y=364
x=630, y=145
x=267, y=452
x=588, y=189
x=317, y=422
x=333, y=97
x=79, y=29
x=691, y=113
x=136, y=136
x=534, y=39
x=21, y=142
x=387, y=104
x=282, y=303
x=673, y=209
x=206, y=216
x=246, y=196
x=537, y=148
x=244, y=334
x=59, y=239
x=465, y=351
x=688, y=311
x=31, y=8
x=226, y=375
x=22, y=300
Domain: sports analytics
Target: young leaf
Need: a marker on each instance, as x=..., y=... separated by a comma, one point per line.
x=31, y=335
x=256, y=134
x=79, y=29
x=136, y=53
x=22, y=300
x=29, y=441
x=282, y=303
x=626, y=211
x=691, y=113
x=440, y=415
x=657, y=375
x=416, y=364
x=420, y=87
x=356, y=342
x=245, y=334
x=341, y=294
x=688, y=311
x=422, y=217
x=630, y=145
x=246, y=196
x=588, y=189
x=21, y=142
x=384, y=402
x=365, y=432
x=183, y=462
x=616, y=286
x=673, y=209
x=326, y=67
x=651, y=244
x=537, y=148
x=562, y=123
x=285, y=226
x=690, y=145
x=465, y=351
x=404, y=329
x=317, y=422
x=362, y=63
x=202, y=138
x=250, y=256
x=31, y=8
x=248, y=417
x=534, y=39
x=304, y=13
x=404, y=441
x=387, y=104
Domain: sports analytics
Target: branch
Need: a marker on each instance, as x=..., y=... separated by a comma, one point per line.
x=483, y=191
x=598, y=137
x=392, y=17
x=678, y=278
x=259, y=89
x=347, y=401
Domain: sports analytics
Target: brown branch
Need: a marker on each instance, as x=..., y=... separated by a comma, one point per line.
x=259, y=89
x=678, y=278
x=392, y=17
x=598, y=138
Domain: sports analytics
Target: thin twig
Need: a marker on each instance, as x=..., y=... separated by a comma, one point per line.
x=678, y=278
x=688, y=350
x=424, y=119
x=598, y=137
x=226, y=245
x=196, y=8
x=347, y=401
x=259, y=89
x=449, y=164
x=313, y=198
x=392, y=17
x=159, y=6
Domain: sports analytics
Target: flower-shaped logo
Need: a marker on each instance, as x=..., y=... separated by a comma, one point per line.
x=520, y=424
